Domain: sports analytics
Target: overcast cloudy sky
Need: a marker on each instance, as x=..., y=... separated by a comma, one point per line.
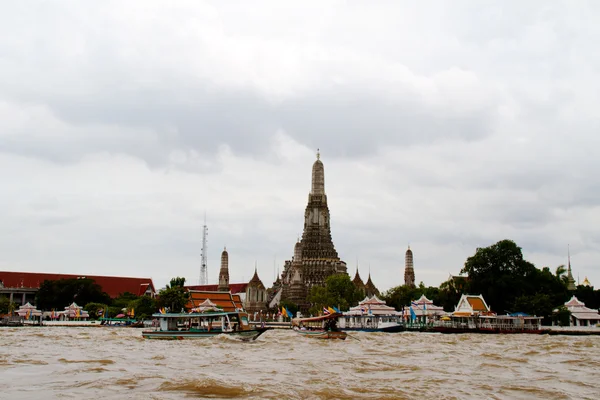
x=446, y=125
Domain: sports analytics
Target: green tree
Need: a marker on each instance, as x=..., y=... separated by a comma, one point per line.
x=500, y=274
x=177, y=282
x=562, y=317
x=561, y=274
x=6, y=306
x=57, y=294
x=401, y=296
x=93, y=308
x=144, y=307
x=173, y=296
x=124, y=299
x=339, y=291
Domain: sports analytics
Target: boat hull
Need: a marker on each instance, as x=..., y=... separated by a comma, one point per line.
x=322, y=334
x=441, y=329
x=388, y=329
x=251, y=334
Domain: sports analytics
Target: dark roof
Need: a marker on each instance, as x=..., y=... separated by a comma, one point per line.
x=112, y=285
x=233, y=288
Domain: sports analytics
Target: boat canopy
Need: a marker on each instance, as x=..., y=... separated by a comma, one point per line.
x=297, y=321
x=195, y=314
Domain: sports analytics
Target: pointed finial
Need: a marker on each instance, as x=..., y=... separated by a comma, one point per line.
x=318, y=154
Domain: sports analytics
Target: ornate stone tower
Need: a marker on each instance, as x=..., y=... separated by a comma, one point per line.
x=409, y=271
x=315, y=257
x=224, y=272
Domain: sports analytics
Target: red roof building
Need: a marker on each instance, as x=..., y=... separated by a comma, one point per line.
x=112, y=285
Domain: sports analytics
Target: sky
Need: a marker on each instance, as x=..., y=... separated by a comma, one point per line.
x=446, y=126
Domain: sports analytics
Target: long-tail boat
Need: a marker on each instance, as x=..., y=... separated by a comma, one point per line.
x=322, y=327
x=197, y=325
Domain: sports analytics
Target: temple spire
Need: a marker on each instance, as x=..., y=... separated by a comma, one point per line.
x=318, y=176
x=570, y=279
x=224, y=272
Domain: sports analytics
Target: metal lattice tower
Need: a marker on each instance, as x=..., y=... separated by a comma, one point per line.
x=203, y=256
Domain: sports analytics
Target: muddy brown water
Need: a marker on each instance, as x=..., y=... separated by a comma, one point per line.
x=116, y=363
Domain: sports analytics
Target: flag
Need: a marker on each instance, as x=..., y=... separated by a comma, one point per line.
x=78, y=313
x=100, y=312
x=337, y=310
x=289, y=314
x=132, y=313
x=414, y=303
x=326, y=311
x=283, y=312
x=413, y=316
x=424, y=307
x=363, y=309
x=370, y=312
x=331, y=310
x=27, y=314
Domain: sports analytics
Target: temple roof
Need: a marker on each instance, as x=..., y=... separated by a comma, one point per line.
x=357, y=280
x=112, y=285
x=471, y=304
x=372, y=306
x=574, y=302
x=586, y=282
x=224, y=300
x=255, y=279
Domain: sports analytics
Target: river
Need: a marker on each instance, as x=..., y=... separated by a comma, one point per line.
x=116, y=363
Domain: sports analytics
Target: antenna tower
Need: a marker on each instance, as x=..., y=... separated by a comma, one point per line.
x=203, y=255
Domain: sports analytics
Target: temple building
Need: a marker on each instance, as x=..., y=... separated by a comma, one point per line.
x=423, y=309
x=315, y=257
x=409, y=271
x=251, y=296
x=256, y=295
x=580, y=314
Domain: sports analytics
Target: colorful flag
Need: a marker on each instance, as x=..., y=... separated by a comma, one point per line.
x=414, y=303
x=337, y=310
x=100, y=312
x=326, y=311
x=289, y=314
x=363, y=309
x=132, y=313
x=283, y=312
x=331, y=310
x=413, y=316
